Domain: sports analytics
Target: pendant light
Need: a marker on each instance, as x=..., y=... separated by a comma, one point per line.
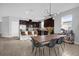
x=49, y=12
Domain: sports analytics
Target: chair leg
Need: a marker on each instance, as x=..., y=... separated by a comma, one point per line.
x=39, y=51
x=49, y=51
x=36, y=51
x=55, y=52
x=58, y=51
x=64, y=45
x=43, y=51
x=32, y=49
x=62, y=48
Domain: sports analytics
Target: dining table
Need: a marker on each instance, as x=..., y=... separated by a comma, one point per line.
x=47, y=38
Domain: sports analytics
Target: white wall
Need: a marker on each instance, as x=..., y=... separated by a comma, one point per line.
x=0, y=24
x=57, y=25
x=5, y=26
x=0, y=27
x=10, y=26
x=14, y=26
x=75, y=22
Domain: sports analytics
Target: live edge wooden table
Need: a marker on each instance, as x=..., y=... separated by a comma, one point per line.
x=47, y=38
x=44, y=39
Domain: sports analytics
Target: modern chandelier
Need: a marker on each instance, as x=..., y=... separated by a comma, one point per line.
x=49, y=13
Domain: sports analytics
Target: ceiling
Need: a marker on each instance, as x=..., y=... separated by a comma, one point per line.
x=34, y=11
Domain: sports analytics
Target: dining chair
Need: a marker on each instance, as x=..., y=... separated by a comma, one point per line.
x=52, y=45
x=59, y=43
x=37, y=45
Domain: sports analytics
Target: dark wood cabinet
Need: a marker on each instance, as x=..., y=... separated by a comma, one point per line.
x=22, y=22
x=49, y=22
x=36, y=24
x=30, y=23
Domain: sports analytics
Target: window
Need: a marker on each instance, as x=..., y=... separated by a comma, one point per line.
x=66, y=22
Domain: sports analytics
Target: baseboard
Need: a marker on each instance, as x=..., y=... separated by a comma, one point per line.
x=8, y=35
x=76, y=42
x=0, y=34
